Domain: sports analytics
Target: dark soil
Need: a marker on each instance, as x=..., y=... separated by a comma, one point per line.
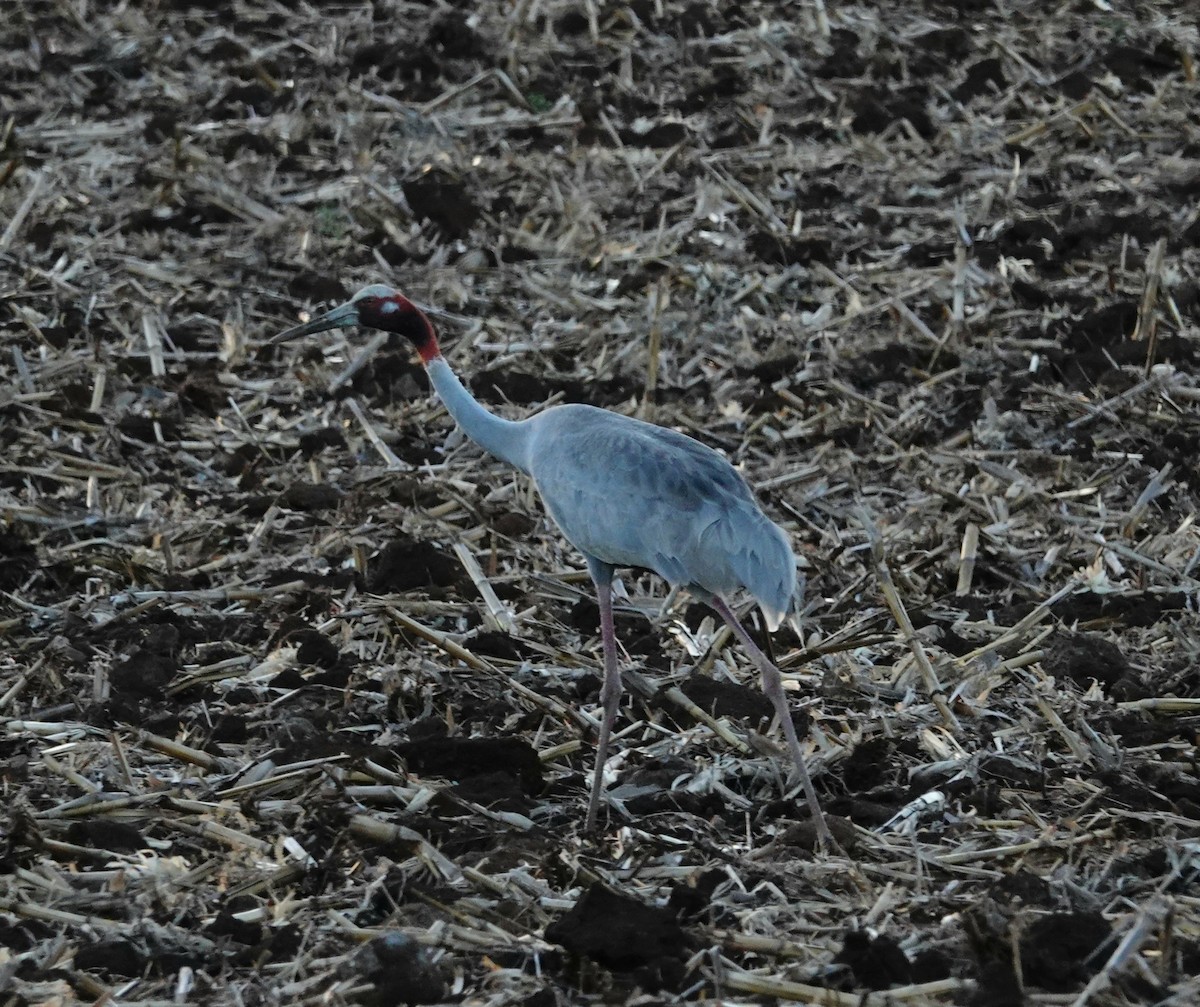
x=929, y=278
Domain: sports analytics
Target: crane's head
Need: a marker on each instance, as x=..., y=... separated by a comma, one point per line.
x=376, y=307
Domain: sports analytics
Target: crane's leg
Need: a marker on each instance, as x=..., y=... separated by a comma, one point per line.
x=610, y=692
x=772, y=683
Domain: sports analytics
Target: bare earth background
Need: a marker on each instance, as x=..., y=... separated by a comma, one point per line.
x=286, y=665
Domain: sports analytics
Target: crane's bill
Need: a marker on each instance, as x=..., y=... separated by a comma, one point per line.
x=343, y=314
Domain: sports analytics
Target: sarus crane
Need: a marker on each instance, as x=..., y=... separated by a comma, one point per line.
x=625, y=493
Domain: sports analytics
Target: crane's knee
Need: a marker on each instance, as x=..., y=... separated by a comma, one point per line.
x=610, y=694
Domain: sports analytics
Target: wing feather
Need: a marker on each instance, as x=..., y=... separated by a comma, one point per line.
x=634, y=494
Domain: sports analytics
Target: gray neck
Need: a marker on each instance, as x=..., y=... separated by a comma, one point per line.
x=508, y=440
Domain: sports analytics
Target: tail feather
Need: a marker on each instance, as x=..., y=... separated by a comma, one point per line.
x=768, y=571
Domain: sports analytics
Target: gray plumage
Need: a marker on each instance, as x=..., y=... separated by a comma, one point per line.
x=625, y=493
x=630, y=493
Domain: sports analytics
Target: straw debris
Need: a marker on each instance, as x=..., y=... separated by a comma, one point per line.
x=298, y=690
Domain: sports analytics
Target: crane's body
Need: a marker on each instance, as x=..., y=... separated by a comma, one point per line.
x=630, y=493
x=624, y=493
x=666, y=502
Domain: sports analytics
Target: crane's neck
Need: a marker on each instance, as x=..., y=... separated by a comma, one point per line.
x=508, y=440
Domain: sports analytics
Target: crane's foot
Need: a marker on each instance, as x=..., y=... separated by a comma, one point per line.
x=825, y=841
